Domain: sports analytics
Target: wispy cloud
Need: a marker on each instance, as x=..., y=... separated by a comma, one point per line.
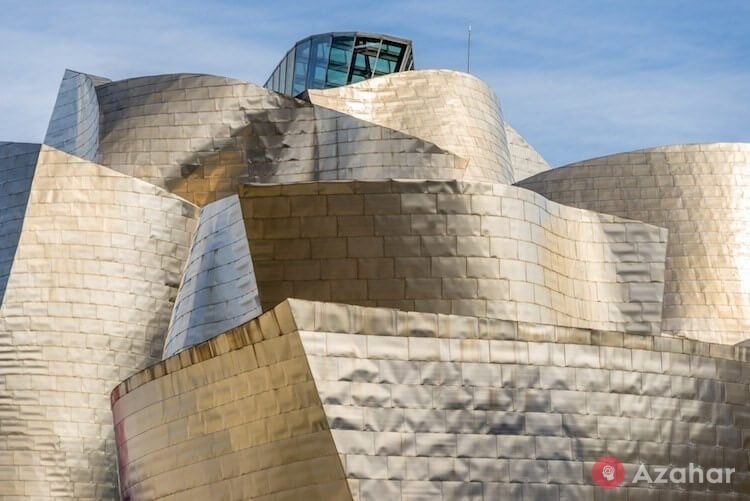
x=578, y=79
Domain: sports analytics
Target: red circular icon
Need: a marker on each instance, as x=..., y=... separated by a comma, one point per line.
x=608, y=473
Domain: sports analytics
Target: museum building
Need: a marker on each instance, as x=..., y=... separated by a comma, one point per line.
x=360, y=282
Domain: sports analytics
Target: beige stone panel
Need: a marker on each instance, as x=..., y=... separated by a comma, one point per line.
x=698, y=192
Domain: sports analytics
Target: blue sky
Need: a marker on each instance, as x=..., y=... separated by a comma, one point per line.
x=578, y=79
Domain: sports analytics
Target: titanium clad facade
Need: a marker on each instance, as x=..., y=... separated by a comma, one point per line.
x=701, y=193
x=218, y=290
x=525, y=159
x=161, y=129
x=74, y=125
x=239, y=417
x=455, y=336
x=456, y=111
x=197, y=135
x=428, y=406
x=87, y=303
x=17, y=166
x=450, y=247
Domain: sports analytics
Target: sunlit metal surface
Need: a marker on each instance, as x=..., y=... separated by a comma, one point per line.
x=525, y=159
x=424, y=406
x=503, y=341
x=702, y=194
x=87, y=303
x=196, y=135
x=456, y=111
x=445, y=246
x=218, y=290
x=237, y=417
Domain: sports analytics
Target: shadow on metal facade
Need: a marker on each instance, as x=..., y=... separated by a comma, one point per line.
x=495, y=342
x=218, y=290
x=426, y=406
x=87, y=303
x=451, y=247
x=701, y=194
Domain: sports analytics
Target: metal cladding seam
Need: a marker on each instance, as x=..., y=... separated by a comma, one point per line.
x=701, y=193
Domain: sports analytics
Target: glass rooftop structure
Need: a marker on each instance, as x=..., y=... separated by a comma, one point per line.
x=336, y=59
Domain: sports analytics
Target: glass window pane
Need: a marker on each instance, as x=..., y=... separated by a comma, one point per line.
x=365, y=56
x=301, y=57
x=334, y=60
x=282, y=76
x=409, y=63
x=389, y=59
x=289, y=72
x=384, y=66
x=338, y=61
x=316, y=70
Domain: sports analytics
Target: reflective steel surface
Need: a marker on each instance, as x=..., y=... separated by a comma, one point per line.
x=17, y=166
x=456, y=111
x=74, y=126
x=196, y=135
x=451, y=247
x=237, y=417
x=218, y=290
x=525, y=159
x=701, y=193
x=427, y=406
x=495, y=342
x=87, y=303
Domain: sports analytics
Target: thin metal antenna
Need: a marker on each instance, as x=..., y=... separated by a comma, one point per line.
x=468, y=52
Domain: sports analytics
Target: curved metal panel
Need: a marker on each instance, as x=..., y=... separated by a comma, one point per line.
x=74, y=126
x=196, y=135
x=159, y=129
x=699, y=192
x=17, y=166
x=525, y=159
x=87, y=303
x=419, y=405
x=218, y=290
x=451, y=247
x=455, y=111
x=239, y=418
